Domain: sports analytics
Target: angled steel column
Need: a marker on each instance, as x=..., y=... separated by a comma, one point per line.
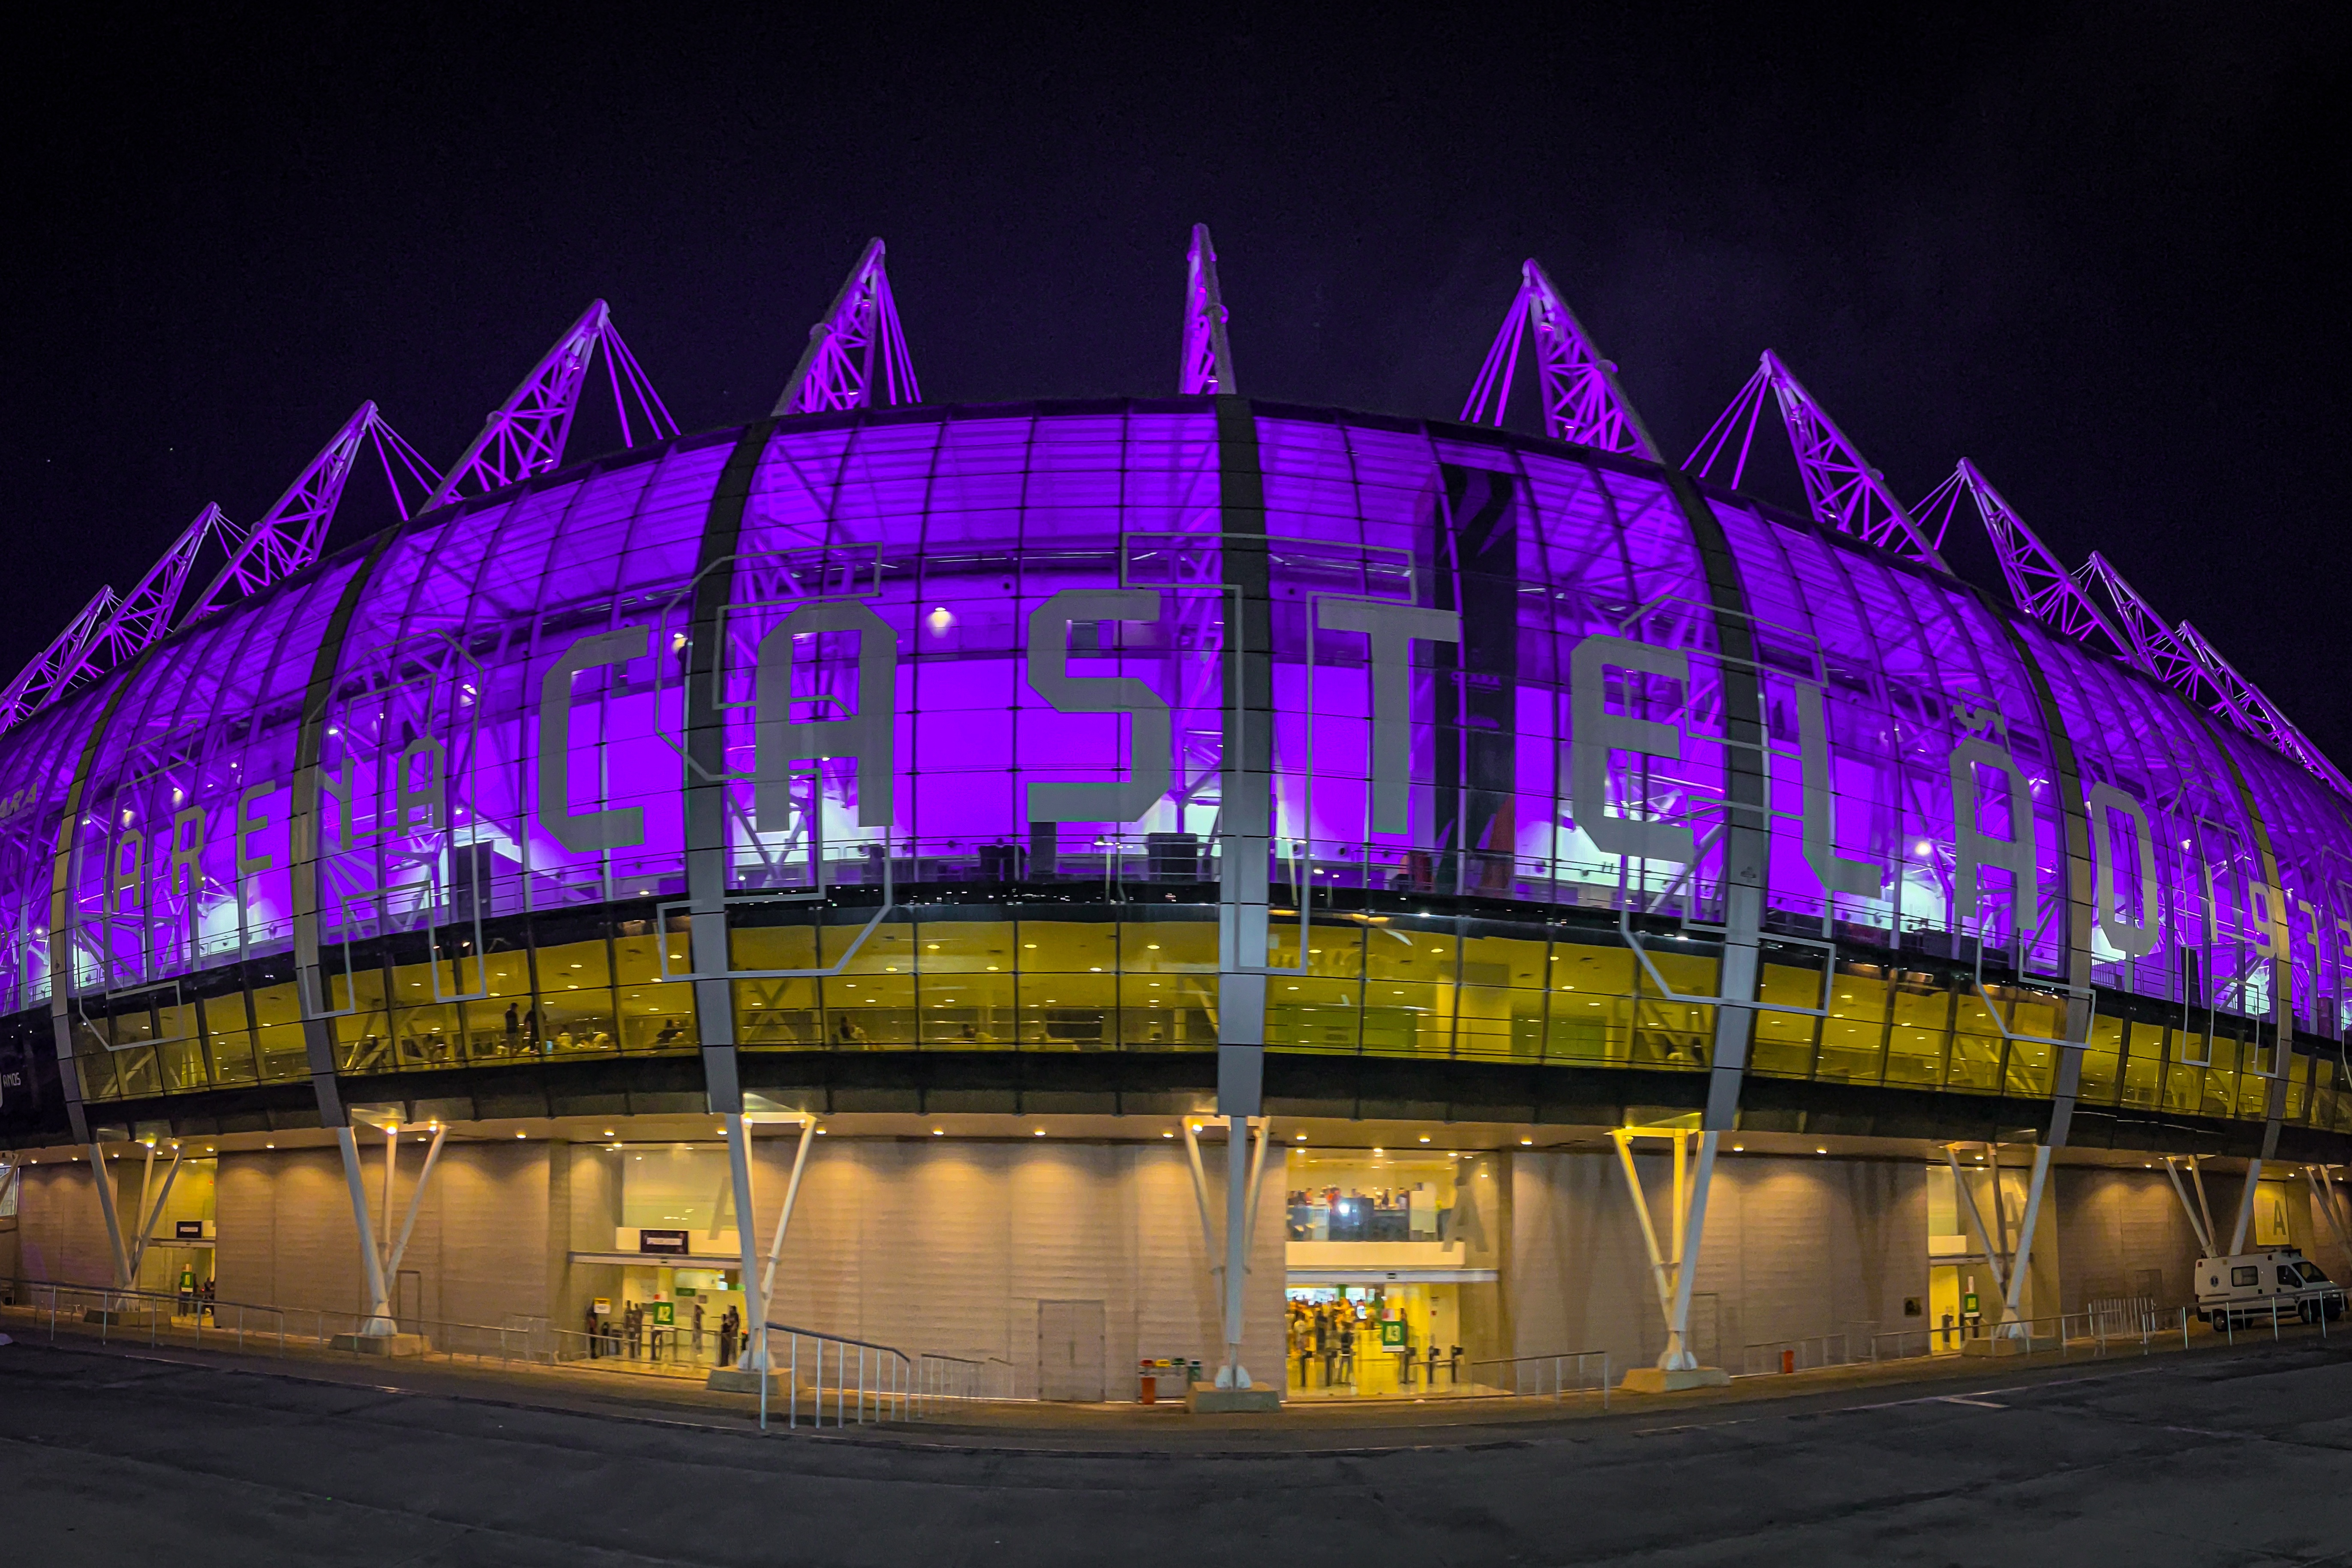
x=2076, y=887
x=1746, y=839
x=378, y=1323
x=62, y=922
x=1244, y=829
x=114, y=1222
x=705, y=781
x=747, y=1243
x=2282, y=962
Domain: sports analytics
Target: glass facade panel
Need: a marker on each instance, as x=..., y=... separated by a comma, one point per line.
x=496, y=847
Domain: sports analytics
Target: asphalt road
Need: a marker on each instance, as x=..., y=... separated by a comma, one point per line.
x=2242, y=1459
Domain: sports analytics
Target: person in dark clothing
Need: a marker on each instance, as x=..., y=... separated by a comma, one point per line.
x=727, y=1337
x=514, y=1028
x=595, y=1331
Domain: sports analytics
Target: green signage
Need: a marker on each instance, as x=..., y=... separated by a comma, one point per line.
x=665, y=1314
x=1392, y=1335
x=1969, y=1307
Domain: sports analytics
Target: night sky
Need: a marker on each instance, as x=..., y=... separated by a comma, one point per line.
x=2101, y=251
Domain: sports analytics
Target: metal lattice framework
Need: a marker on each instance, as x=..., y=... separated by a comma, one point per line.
x=525, y=435
x=291, y=532
x=2179, y=656
x=111, y=627
x=1843, y=491
x=2038, y=583
x=858, y=337
x=152, y=607
x=57, y=667
x=1581, y=400
x=1208, y=362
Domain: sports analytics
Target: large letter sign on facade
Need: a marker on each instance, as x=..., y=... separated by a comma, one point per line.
x=1600, y=731
x=2133, y=939
x=1391, y=628
x=585, y=832
x=866, y=735
x=1150, y=729
x=1862, y=878
x=1973, y=850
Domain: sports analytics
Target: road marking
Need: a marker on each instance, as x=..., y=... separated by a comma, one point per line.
x=1963, y=1399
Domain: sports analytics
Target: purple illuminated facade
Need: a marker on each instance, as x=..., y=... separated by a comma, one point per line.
x=1053, y=780
x=497, y=709
x=847, y=674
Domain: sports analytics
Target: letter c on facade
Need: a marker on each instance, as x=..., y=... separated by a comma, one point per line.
x=583, y=832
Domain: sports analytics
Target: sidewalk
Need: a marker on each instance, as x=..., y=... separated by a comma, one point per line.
x=1008, y=1425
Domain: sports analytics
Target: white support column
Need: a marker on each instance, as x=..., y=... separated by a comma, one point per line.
x=416, y=1199
x=784, y=1217
x=390, y=1170
x=2200, y=1216
x=747, y=1241
x=1968, y=1200
x=2245, y=1208
x=1228, y=1262
x=150, y=1213
x=105, y=1180
x=1673, y=1274
x=379, y=1322
x=2011, y=1326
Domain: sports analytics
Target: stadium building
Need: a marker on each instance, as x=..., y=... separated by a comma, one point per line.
x=1063, y=884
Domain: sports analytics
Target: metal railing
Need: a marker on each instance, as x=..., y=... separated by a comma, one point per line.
x=2227, y=1318
x=870, y=1382
x=158, y=1318
x=1806, y=1354
x=954, y=1377
x=1534, y=1377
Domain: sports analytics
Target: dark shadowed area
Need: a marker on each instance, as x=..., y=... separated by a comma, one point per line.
x=2238, y=1459
x=2098, y=249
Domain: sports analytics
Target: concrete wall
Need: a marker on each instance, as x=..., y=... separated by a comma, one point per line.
x=950, y=1246
x=60, y=1230
x=1793, y=1248
x=928, y=1244
x=2123, y=1232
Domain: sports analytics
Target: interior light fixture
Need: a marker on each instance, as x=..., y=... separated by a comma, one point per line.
x=1526, y=1141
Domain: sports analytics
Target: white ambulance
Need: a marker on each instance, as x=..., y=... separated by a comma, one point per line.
x=2249, y=1288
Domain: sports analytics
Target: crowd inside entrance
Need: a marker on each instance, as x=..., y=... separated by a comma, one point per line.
x=1375, y=1340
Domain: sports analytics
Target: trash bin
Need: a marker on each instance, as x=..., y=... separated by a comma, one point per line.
x=1146, y=1383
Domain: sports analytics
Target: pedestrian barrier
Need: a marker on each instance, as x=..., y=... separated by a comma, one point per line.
x=1557, y=1375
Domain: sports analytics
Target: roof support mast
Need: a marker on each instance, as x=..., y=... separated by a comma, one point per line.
x=1581, y=400
x=292, y=531
x=525, y=435
x=1843, y=491
x=858, y=337
x=2038, y=584
x=1207, y=366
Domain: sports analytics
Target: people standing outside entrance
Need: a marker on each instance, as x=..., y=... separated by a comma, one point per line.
x=596, y=1332
x=697, y=1331
x=727, y=1337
